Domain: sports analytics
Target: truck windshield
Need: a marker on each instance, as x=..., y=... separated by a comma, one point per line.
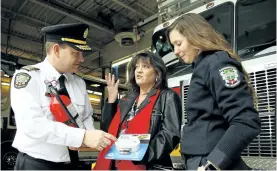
x=256, y=28
x=220, y=17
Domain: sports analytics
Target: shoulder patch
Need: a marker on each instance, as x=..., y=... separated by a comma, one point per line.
x=230, y=76
x=30, y=68
x=21, y=80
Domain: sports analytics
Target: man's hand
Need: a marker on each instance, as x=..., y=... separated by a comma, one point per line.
x=97, y=139
x=86, y=149
x=74, y=148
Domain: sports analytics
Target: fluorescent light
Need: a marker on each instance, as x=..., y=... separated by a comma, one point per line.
x=89, y=91
x=6, y=75
x=6, y=84
x=121, y=62
x=94, y=85
x=94, y=92
x=97, y=93
x=121, y=95
x=94, y=99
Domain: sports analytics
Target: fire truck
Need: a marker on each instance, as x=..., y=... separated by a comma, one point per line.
x=250, y=27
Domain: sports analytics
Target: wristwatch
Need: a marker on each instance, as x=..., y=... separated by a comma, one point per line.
x=210, y=166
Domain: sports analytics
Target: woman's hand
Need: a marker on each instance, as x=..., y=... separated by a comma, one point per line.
x=112, y=88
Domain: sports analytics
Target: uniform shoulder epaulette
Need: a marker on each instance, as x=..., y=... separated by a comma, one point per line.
x=30, y=68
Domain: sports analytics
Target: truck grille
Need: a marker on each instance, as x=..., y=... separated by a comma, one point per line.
x=264, y=82
x=185, y=93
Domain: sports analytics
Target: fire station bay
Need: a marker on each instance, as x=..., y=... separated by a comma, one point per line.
x=138, y=85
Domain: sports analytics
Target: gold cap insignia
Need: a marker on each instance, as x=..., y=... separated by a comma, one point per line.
x=86, y=33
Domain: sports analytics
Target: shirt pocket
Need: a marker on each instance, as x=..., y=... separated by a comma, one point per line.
x=80, y=107
x=46, y=109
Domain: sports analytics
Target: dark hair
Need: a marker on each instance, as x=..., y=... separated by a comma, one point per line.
x=156, y=62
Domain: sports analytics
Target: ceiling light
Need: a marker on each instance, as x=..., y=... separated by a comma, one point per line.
x=121, y=62
x=89, y=91
x=6, y=84
x=94, y=85
x=97, y=93
x=94, y=99
x=94, y=92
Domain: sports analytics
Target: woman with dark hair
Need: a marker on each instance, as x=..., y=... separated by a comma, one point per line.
x=221, y=117
x=149, y=108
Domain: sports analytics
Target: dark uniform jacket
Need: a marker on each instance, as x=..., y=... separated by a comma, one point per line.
x=221, y=118
x=165, y=124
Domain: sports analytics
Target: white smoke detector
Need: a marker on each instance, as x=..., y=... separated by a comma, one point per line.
x=127, y=144
x=127, y=38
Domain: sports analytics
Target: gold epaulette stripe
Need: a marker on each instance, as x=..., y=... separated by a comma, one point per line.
x=30, y=68
x=74, y=41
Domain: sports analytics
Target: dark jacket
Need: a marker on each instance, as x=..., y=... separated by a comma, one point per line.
x=164, y=128
x=221, y=118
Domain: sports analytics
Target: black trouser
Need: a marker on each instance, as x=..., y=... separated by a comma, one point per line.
x=26, y=162
x=193, y=162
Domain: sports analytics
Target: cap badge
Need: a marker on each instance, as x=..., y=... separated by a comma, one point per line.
x=86, y=33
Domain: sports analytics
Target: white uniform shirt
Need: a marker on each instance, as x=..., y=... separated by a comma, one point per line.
x=38, y=134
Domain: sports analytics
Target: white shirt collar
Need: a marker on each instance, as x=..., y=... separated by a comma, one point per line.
x=52, y=73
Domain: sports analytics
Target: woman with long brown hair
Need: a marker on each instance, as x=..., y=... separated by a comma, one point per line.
x=221, y=117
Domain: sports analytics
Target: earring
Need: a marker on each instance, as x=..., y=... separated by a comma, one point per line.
x=156, y=79
x=199, y=51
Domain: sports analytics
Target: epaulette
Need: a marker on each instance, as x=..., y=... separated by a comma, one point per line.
x=30, y=68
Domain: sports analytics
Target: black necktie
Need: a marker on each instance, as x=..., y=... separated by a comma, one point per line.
x=74, y=156
x=63, y=90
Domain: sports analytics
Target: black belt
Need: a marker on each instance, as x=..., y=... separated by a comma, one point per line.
x=43, y=161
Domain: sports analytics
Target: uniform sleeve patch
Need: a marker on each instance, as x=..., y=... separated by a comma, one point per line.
x=230, y=76
x=21, y=80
